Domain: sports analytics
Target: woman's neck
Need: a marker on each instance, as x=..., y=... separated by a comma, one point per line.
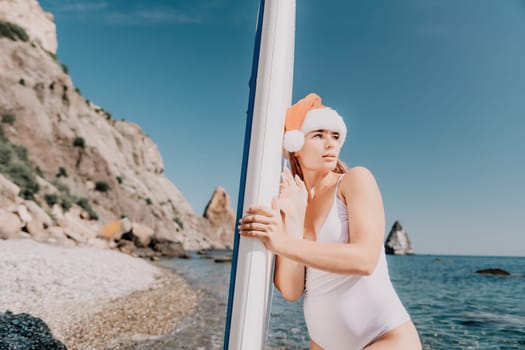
x=317, y=182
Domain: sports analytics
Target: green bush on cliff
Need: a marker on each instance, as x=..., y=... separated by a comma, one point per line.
x=8, y=118
x=24, y=176
x=79, y=142
x=6, y=154
x=66, y=203
x=13, y=31
x=51, y=199
x=84, y=204
x=21, y=152
x=65, y=200
x=62, y=172
x=102, y=186
x=179, y=222
x=15, y=164
x=39, y=171
x=61, y=187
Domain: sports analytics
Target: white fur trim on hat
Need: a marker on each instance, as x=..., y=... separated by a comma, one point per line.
x=324, y=118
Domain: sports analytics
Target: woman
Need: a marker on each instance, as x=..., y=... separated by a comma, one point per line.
x=326, y=228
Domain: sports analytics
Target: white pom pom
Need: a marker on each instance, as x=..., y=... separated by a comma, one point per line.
x=293, y=140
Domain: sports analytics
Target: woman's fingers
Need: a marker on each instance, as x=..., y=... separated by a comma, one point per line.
x=261, y=210
x=300, y=183
x=252, y=227
x=255, y=234
x=287, y=176
x=253, y=217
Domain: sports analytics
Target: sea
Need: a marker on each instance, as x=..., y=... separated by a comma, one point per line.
x=451, y=305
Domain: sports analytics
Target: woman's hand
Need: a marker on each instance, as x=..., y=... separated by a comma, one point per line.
x=264, y=224
x=292, y=200
x=285, y=218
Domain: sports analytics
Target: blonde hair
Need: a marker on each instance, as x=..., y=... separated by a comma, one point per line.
x=295, y=167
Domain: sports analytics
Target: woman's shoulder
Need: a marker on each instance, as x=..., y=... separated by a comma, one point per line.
x=357, y=173
x=356, y=179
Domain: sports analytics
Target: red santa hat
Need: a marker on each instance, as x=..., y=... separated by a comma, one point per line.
x=307, y=115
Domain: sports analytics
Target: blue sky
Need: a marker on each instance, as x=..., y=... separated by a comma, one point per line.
x=432, y=92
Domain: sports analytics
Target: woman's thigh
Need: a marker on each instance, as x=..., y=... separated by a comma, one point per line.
x=403, y=337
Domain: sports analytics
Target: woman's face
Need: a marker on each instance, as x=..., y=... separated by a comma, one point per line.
x=320, y=150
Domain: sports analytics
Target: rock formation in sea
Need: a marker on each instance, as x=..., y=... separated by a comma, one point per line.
x=494, y=271
x=68, y=168
x=398, y=242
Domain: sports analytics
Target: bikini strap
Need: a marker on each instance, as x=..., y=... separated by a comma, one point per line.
x=337, y=185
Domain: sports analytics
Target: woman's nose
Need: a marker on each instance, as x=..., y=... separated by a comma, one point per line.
x=330, y=142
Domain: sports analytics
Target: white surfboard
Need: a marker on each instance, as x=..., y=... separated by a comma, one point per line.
x=270, y=96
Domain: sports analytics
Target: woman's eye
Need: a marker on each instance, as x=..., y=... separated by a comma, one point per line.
x=336, y=136
x=316, y=135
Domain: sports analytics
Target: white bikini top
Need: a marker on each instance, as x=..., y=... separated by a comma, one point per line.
x=335, y=230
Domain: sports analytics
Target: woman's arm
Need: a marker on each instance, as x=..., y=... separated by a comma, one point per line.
x=289, y=275
x=288, y=278
x=366, y=230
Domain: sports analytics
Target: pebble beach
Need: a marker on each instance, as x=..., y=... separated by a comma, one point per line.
x=92, y=298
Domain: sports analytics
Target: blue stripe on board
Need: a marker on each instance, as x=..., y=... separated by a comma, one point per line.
x=244, y=170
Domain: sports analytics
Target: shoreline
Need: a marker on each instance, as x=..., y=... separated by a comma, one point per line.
x=92, y=298
x=134, y=318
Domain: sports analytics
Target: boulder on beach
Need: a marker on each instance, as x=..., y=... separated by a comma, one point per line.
x=398, y=242
x=115, y=230
x=23, y=331
x=167, y=247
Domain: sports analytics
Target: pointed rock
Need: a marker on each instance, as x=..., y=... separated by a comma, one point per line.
x=398, y=242
x=221, y=216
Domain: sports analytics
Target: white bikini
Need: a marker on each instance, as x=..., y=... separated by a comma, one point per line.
x=349, y=311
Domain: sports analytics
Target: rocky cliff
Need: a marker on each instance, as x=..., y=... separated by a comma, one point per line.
x=68, y=166
x=37, y=23
x=398, y=242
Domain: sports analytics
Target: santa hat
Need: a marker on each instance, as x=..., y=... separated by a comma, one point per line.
x=307, y=115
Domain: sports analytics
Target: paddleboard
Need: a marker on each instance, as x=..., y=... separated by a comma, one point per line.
x=270, y=95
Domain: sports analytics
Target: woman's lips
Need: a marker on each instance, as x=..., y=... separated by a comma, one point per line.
x=329, y=156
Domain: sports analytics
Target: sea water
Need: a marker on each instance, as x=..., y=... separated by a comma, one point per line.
x=451, y=305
